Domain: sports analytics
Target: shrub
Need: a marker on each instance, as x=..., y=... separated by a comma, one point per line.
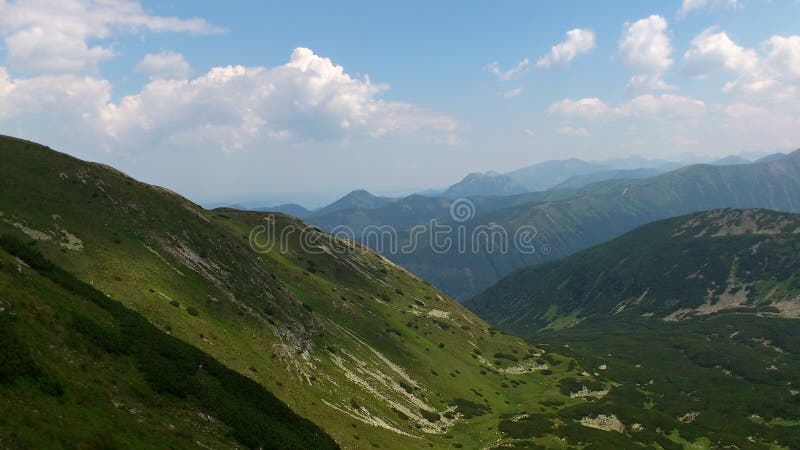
x=470, y=409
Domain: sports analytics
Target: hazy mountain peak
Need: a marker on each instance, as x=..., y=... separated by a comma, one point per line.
x=731, y=160
x=486, y=183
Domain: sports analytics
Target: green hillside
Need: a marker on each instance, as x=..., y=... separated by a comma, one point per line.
x=719, y=381
x=672, y=270
x=694, y=317
x=79, y=370
x=373, y=355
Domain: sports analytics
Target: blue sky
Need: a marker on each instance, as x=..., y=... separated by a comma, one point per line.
x=304, y=101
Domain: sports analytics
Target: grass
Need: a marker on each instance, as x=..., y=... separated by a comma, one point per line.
x=159, y=384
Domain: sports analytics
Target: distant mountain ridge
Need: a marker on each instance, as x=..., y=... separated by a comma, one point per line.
x=569, y=219
x=552, y=174
x=570, y=173
x=487, y=183
x=573, y=220
x=544, y=175
x=355, y=199
x=731, y=160
x=292, y=209
x=579, y=181
x=772, y=157
x=358, y=199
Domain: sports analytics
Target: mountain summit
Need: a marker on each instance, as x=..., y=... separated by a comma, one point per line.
x=488, y=183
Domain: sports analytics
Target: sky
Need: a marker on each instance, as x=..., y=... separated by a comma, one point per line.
x=305, y=101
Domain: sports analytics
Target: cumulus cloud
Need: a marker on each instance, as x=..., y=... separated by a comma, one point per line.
x=510, y=74
x=662, y=106
x=783, y=56
x=307, y=99
x=689, y=5
x=647, y=105
x=712, y=50
x=52, y=35
x=568, y=130
x=771, y=74
x=164, y=64
x=645, y=48
x=586, y=108
x=578, y=41
x=75, y=101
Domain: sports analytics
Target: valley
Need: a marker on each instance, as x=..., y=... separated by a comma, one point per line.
x=567, y=220
x=371, y=353
x=344, y=337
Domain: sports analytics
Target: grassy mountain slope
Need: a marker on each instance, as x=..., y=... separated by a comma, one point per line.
x=719, y=381
x=80, y=370
x=671, y=270
x=602, y=211
x=694, y=317
x=370, y=353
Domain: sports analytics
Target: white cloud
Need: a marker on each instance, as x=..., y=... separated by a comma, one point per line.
x=783, y=57
x=711, y=51
x=307, y=99
x=568, y=130
x=528, y=132
x=646, y=49
x=578, y=41
x=164, y=64
x=586, y=108
x=773, y=74
x=68, y=96
x=647, y=105
x=689, y=5
x=662, y=106
x=511, y=93
x=510, y=74
x=53, y=35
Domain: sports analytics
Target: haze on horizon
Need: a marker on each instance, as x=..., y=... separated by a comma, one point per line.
x=298, y=101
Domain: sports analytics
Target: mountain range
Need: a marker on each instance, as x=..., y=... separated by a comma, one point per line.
x=554, y=174
x=134, y=318
x=341, y=336
x=487, y=183
x=549, y=175
x=568, y=220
